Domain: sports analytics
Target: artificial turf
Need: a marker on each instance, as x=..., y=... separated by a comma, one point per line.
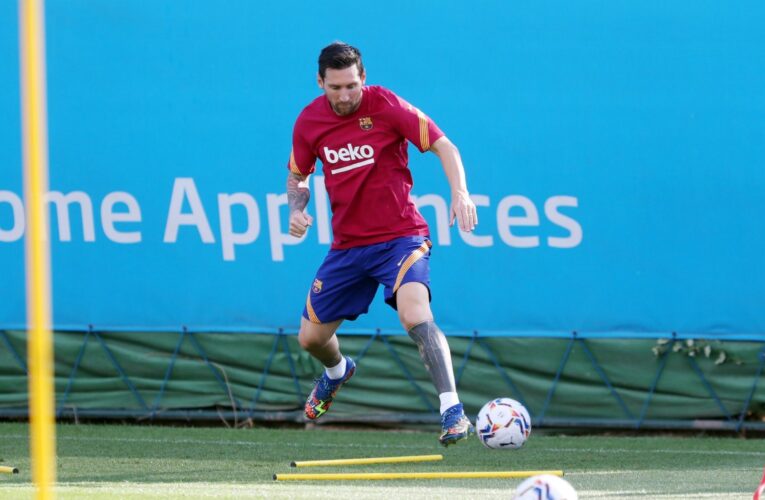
x=144, y=461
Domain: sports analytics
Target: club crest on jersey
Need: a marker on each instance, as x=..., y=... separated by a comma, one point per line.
x=365, y=123
x=317, y=284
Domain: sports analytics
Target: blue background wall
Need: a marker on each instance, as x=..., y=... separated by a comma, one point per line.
x=648, y=117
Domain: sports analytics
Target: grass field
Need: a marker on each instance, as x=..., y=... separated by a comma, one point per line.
x=127, y=461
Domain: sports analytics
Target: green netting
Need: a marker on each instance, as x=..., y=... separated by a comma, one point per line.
x=600, y=381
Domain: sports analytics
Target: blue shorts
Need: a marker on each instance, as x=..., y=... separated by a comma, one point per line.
x=347, y=280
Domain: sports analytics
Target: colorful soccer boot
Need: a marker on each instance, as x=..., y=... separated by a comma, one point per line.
x=324, y=391
x=455, y=425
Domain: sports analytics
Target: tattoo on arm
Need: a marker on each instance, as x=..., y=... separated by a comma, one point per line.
x=298, y=193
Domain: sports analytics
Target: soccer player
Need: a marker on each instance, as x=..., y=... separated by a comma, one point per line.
x=360, y=134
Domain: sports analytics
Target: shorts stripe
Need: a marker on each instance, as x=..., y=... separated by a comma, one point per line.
x=311, y=314
x=413, y=257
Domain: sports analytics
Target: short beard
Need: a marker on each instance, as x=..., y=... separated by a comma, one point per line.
x=349, y=112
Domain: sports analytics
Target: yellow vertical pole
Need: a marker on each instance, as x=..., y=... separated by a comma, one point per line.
x=39, y=337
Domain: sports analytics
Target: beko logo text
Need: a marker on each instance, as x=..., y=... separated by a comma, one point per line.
x=349, y=153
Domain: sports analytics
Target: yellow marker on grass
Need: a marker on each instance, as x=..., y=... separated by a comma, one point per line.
x=373, y=476
x=366, y=461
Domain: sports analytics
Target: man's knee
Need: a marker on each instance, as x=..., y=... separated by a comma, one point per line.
x=308, y=336
x=315, y=335
x=413, y=304
x=305, y=340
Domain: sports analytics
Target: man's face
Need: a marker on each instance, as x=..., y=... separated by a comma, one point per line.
x=343, y=88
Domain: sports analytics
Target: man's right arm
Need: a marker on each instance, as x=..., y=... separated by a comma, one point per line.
x=298, y=195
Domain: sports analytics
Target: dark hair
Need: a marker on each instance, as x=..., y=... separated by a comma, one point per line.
x=339, y=55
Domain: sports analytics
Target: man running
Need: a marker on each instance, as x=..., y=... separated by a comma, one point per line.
x=360, y=134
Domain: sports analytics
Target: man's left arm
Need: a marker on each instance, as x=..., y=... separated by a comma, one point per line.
x=462, y=207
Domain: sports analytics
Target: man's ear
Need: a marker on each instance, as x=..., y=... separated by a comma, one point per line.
x=320, y=81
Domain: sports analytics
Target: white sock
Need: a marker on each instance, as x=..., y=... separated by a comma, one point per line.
x=448, y=399
x=337, y=371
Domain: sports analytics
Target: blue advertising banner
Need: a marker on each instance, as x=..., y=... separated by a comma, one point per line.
x=615, y=151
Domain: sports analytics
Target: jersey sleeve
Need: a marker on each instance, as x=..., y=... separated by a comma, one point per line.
x=302, y=160
x=413, y=124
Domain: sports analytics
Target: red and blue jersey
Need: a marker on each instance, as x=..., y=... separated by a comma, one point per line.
x=365, y=164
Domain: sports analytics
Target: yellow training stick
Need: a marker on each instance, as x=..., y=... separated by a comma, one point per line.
x=364, y=461
x=8, y=470
x=414, y=475
x=34, y=133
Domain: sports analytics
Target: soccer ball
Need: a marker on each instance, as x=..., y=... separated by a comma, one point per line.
x=503, y=423
x=545, y=487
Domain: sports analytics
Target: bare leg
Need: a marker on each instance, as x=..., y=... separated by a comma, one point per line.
x=320, y=341
x=413, y=305
x=417, y=319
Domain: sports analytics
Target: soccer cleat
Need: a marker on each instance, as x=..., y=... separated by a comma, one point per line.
x=324, y=391
x=455, y=425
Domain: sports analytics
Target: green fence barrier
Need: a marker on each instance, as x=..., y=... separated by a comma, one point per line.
x=625, y=383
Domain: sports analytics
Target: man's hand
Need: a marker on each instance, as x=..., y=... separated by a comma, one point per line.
x=299, y=223
x=463, y=209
